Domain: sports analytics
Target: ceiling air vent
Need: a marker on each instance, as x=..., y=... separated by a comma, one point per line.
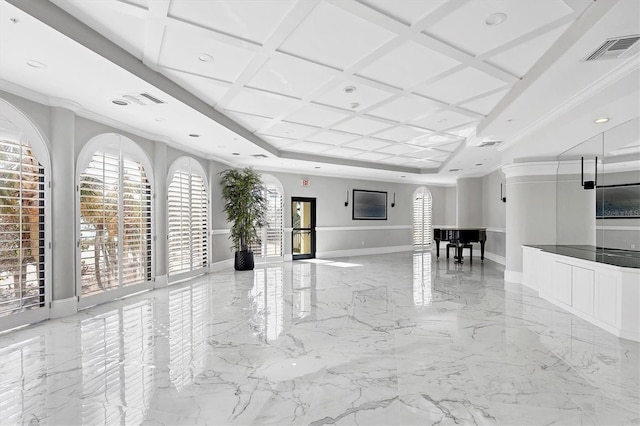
x=259, y=156
x=615, y=48
x=488, y=143
x=143, y=99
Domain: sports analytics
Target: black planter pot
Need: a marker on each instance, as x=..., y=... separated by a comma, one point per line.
x=243, y=261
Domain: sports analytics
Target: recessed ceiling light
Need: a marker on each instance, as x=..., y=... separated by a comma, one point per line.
x=601, y=120
x=454, y=170
x=495, y=19
x=120, y=102
x=316, y=167
x=478, y=164
x=349, y=89
x=194, y=135
x=403, y=176
x=235, y=153
x=160, y=119
x=203, y=57
x=442, y=120
x=355, y=105
x=35, y=64
x=14, y=20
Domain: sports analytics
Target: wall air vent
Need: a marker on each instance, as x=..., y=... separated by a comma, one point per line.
x=143, y=99
x=615, y=48
x=259, y=156
x=488, y=143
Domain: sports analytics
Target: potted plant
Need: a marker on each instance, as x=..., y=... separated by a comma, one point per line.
x=245, y=205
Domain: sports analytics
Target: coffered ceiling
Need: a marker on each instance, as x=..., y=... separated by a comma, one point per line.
x=366, y=88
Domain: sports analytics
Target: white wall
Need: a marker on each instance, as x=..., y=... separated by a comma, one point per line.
x=469, y=203
x=494, y=215
x=337, y=232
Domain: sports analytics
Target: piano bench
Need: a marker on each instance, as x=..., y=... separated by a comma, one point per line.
x=464, y=246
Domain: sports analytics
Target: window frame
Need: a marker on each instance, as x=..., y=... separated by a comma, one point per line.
x=132, y=151
x=183, y=164
x=39, y=148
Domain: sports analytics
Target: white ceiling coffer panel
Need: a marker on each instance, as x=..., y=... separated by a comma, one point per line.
x=371, y=156
x=396, y=149
x=519, y=59
x=466, y=29
x=443, y=120
x=252, y=20
x=289, y=130
x=404, y=108
x=361, y=125
x=461, y=85
x=332, y=138
x=182, y=50
x=291, y=76
x=315, y=115
x=485, y=104
x=341, y=151
x=407, y=12
x=261, y=103
x=368, y=144
x=400, y=133
x=280, y=143
x=209, y=90
x=332, y=36
x=408, y=65
x=311, y=147
x=354, y=96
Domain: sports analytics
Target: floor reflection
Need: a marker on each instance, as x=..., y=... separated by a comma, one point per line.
x=117, y=352
x=422, y=287
x=188, y=316
x=267, y=302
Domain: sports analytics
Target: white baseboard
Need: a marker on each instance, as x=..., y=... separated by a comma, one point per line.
x=219, y=266
x=495, y=258
x=513, y=277
x=362, y=252
x=161, y=281
x=288, y=257
x=64, y=307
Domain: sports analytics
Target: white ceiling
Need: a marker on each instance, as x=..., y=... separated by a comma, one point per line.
x=375, y=89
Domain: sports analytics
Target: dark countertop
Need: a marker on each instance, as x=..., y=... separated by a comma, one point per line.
x=616, y=257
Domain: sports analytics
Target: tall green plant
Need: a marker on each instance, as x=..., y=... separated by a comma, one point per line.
x=245, y=205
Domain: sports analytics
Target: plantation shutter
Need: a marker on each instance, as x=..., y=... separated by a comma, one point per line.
x=275, y=221
x=271, y=236
x=136, y=224
x=422, y=214
x=188, y=212
x=21, y=228
x=115, y=223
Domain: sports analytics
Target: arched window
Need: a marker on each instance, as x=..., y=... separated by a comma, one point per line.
x=422, y=228
x=188, y=217
x=23, y=157
x=272, y=240
x=115, y=215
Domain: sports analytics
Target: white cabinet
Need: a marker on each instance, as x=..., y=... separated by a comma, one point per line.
x=583, y=285
x=605, y=295
x=562, y=288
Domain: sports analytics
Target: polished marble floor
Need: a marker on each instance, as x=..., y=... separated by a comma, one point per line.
x=391, y=340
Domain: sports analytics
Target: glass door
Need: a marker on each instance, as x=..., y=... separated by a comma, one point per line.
x=303, y=219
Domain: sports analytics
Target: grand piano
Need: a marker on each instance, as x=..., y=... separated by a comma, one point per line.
x=460, y=237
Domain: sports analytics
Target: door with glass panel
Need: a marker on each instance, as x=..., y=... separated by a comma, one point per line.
x=303, y=220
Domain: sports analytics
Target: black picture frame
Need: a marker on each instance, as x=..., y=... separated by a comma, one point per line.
x=618, y=201
x=369, y=205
